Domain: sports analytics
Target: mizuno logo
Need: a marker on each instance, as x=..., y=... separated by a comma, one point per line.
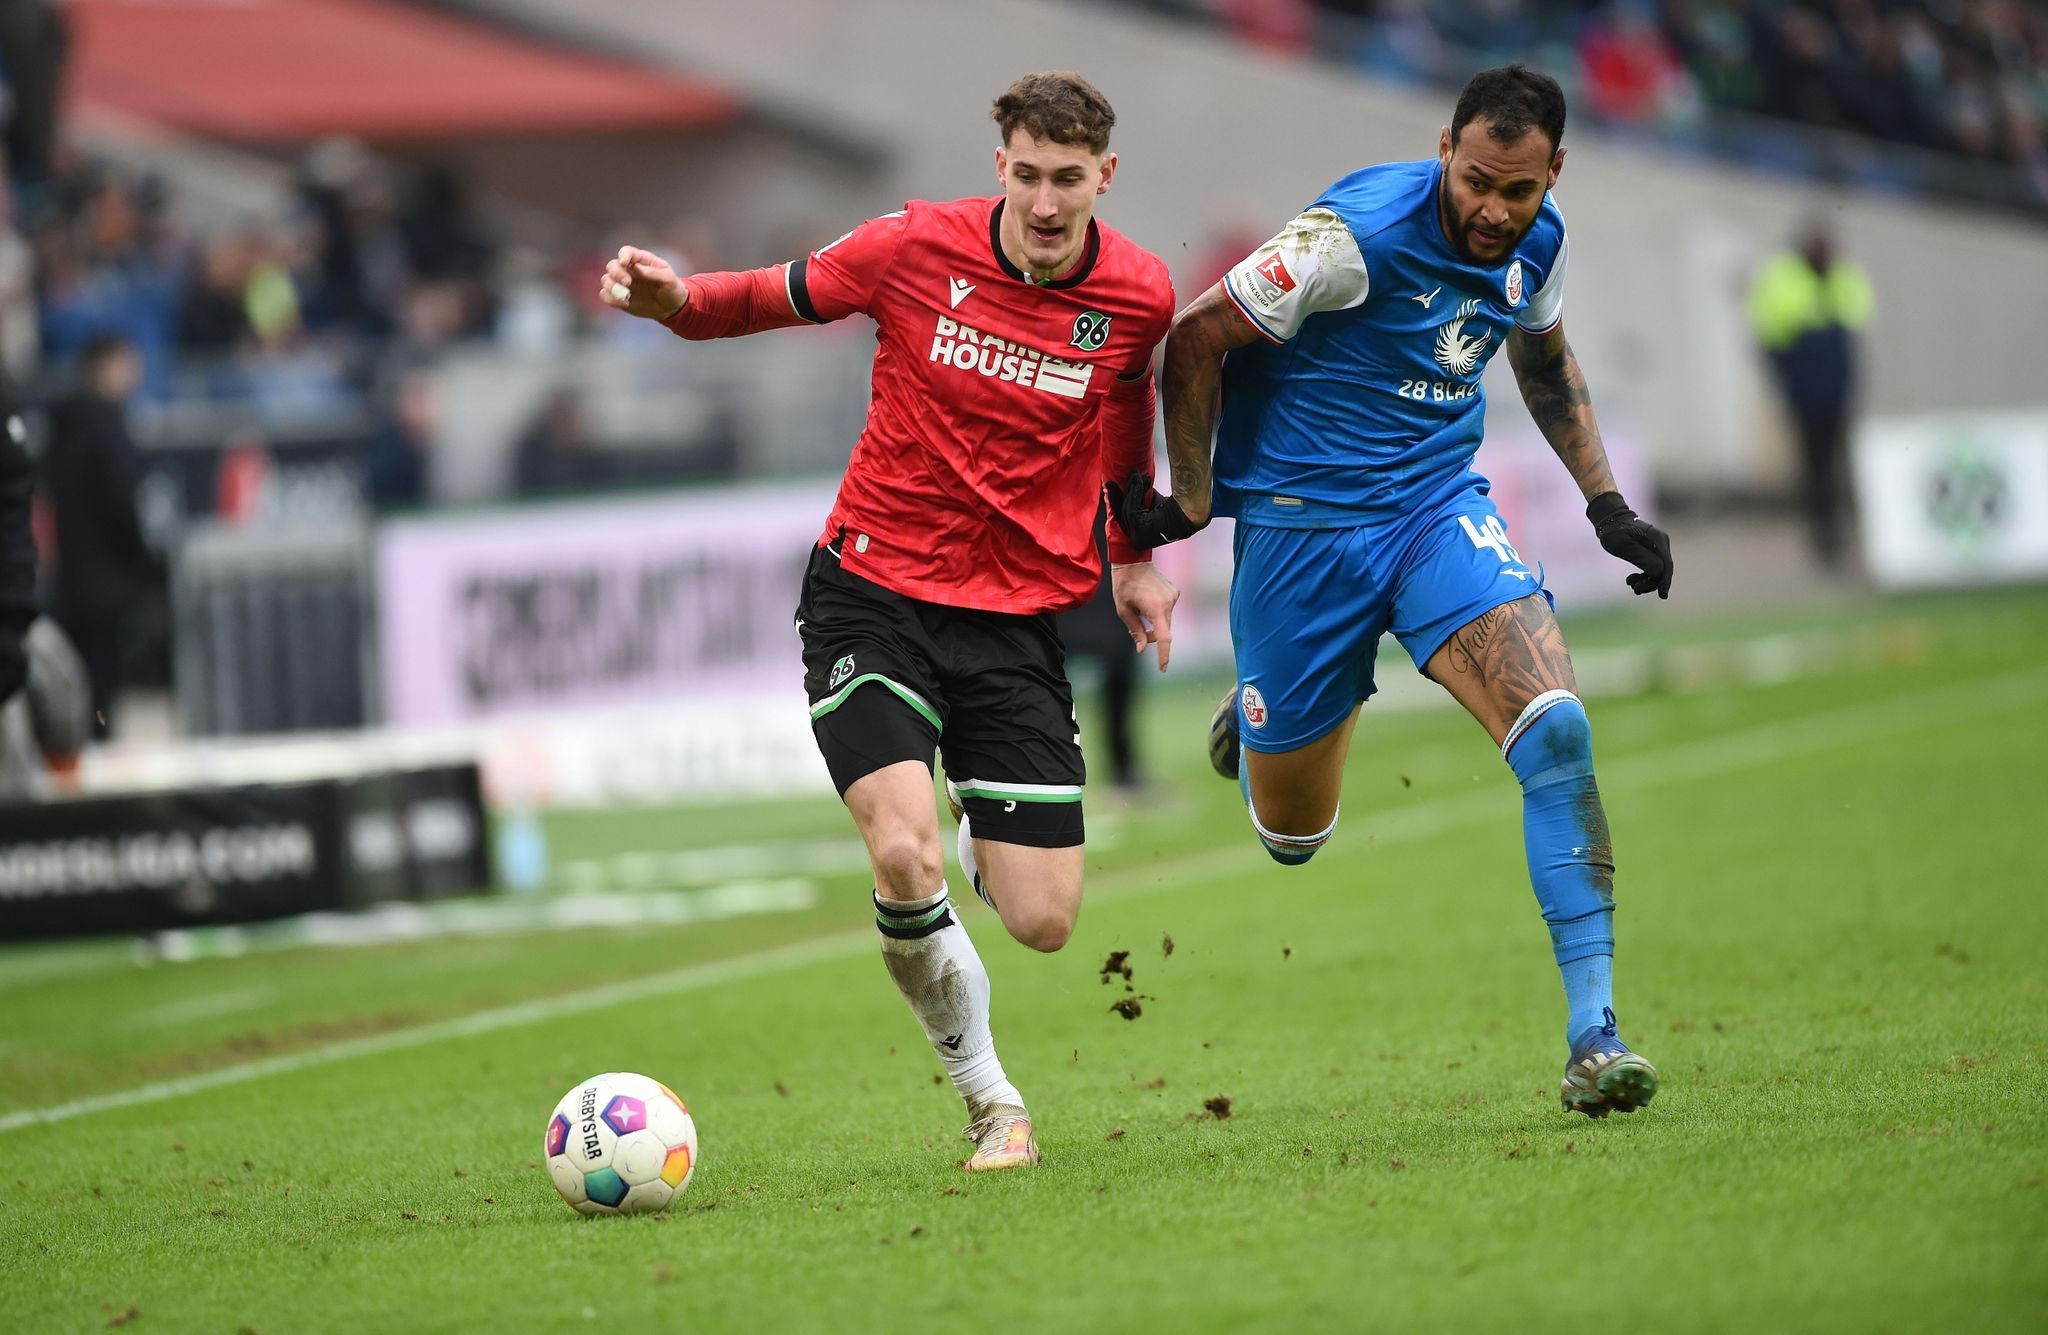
x=959, y=291
x=1426, y=297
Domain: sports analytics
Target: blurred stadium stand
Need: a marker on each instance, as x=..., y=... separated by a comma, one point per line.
x=1890, y=95
x=356, y=240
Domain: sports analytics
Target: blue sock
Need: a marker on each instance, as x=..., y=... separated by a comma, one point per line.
x=1571, y=858
x=1589, y=991
x=1285, y=850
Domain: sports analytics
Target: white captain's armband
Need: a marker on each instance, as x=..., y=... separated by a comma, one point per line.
x=1546, y=305
x=1313, y=265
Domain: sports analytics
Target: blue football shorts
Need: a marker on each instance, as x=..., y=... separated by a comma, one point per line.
x=1308, y=607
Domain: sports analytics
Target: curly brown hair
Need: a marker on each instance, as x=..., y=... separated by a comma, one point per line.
x=1058, y=106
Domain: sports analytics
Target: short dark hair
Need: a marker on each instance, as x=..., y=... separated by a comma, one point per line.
x=1512, y=100
x=1058, y=106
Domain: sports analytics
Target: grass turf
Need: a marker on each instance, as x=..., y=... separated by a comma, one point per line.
x=1832, y=942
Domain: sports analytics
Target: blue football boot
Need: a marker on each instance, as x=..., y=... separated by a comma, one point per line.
x=1603, y=1076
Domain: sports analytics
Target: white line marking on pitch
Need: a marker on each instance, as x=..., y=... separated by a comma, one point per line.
x=1762, y=745
x=684, y=979
x=206, y=1006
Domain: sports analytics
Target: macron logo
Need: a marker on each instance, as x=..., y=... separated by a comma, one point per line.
x=959, y=291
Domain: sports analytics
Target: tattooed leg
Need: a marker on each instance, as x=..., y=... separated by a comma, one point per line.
x=1510, y=669
x=1501, y=661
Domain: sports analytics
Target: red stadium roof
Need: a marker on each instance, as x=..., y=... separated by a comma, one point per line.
x=282, y=70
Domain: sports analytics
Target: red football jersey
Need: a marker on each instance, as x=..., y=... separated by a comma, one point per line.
x=976, y=479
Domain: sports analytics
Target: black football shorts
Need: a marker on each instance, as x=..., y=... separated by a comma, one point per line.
x=892, y=678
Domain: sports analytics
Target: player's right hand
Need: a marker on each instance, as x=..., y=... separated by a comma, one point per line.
x=640, y=282
x=1147, y=518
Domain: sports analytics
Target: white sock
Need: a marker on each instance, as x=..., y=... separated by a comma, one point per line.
x=939, y=973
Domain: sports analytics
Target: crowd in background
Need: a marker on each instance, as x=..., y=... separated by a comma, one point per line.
x=338, y=298
x=333, y=302
x=1964, y=78
x=364, y=260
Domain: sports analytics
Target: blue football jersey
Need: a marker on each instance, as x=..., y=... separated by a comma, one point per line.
x=1362, y=400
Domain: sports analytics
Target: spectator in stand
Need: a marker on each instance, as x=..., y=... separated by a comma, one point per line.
x=17, y=551
x=357, y=269
x=1712, y=38
x=107, y=575
x=444, y=244
x=395, y=459
x=1876, y=88
x=1806, y=306
x=536, y=316
x=213, y=318
x=1399, y=43
x=105, y=271
x=554, y=454
x=1286, y=26
x=1968, y=77
x=1630, y=72
x=1495, y=31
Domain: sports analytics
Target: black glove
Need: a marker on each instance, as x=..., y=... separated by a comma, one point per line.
x=1635, y=540
x=1147, y=518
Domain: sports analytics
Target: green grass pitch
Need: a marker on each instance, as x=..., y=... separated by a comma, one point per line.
x=1834, y=943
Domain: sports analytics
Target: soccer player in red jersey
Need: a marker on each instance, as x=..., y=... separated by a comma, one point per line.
x=1012, y=379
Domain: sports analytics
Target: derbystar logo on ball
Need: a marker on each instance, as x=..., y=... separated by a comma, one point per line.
x=621, y=1143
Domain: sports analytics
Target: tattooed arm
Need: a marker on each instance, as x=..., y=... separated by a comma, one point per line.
x=1555, y=390
x=1209, y=327
x=1556, y=393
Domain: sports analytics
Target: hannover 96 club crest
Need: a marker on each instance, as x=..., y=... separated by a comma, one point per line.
x=1091, y=331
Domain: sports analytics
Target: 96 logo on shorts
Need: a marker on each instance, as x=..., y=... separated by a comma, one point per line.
x=1254, y=706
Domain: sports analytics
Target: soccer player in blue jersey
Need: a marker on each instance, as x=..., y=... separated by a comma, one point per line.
x=1348, y=351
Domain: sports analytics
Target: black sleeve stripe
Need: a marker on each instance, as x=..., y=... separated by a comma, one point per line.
x=796, y=280
x=1142, y=373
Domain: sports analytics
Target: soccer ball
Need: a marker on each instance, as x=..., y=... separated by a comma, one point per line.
x=621, y=1144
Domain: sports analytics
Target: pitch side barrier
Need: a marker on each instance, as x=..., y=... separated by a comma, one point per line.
x=207, y=854
x=1953, y=500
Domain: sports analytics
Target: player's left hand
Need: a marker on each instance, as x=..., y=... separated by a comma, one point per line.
x=1634, y=539
x=1147, y=518
x=1144, y=603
